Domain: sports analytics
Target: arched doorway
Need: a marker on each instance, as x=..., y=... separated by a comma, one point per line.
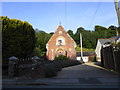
x=60, y=51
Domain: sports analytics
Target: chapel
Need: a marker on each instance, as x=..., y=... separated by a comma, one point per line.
x=61, y=43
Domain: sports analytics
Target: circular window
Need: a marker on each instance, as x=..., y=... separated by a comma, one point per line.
x=60, y=32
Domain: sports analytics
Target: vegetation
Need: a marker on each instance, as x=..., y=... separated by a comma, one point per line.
x=92, y=58
x=18, y=38
x=90, y=37
x=42, y=39
x=21, y=40
x=61, y=57
x=84, y=49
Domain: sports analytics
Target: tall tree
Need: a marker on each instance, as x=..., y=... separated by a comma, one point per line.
x=18, y=38
x=42, y=39
x=70, y=32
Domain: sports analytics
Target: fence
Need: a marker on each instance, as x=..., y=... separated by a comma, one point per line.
x=110, y=59
x=25, y=68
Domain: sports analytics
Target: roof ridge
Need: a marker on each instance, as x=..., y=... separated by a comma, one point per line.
x=60, y=27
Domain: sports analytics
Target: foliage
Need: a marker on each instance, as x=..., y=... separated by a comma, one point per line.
x=118, y=30
x=42, y=39
x=92, y=58
x=61, y=57
x=90, y=37
x=18, y=38
x=84, y=49
x=70, y=32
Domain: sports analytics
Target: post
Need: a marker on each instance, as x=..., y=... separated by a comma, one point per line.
x=12, y=61
x=117, y=11
x=11, y=68
x=118, y=14
x=81, y=46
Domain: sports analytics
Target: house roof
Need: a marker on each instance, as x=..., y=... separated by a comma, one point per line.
x=106, y=40
x=84, y=54
x=60, y=27
x=115, y=38
x=103, y=41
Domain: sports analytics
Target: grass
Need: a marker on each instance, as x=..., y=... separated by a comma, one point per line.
x=84, y=49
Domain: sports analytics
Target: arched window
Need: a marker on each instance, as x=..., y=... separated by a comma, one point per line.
x=60, y=41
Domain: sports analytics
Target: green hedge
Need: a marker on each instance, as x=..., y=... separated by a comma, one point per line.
x=51, y=69
x=61, y=57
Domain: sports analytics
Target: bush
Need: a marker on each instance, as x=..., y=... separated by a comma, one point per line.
x=69, y=63
x=92, y=58
x=50, y=70
x=61, y=57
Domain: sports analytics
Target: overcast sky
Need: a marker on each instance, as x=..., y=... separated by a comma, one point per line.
x=48, y=15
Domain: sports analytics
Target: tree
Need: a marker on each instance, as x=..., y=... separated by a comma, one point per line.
x=42, y=39
x=18, y=38
x=77, y=34
x=80, y=29
x=100, y=28
x=70, y=32
x=90, y=37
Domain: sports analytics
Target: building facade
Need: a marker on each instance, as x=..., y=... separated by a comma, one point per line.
x=61, y=43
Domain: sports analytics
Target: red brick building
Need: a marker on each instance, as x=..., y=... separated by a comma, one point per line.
x=61, y=43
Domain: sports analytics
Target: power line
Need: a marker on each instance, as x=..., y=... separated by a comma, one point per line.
x=65, y=14
x=95, y=13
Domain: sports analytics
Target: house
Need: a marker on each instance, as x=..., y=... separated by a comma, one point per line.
x=61, y=43
x=104, y=43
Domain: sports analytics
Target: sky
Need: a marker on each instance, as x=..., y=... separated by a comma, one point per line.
x=47, y=16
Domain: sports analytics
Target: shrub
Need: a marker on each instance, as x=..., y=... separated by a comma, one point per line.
x=50, y=70
x=61, y=57
x=69, y=63
x=92, y=58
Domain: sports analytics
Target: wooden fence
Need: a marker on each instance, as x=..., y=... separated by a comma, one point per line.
x=110, y=58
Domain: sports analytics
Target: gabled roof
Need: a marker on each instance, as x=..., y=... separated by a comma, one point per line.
x=60, y=27
x=115, y=38
x=103, y=41
x=106, y=40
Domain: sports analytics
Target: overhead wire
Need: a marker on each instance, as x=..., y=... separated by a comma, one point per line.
x=95, y=13
x=65, y=14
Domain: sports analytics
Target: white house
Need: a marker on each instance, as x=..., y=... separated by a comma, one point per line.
x=104, y=43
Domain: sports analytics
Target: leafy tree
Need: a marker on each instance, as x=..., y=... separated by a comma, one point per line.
x=100, y=28
x=70, y=32
x=90, y=37
x=18, y=38
x=118, y=30
x=42, y=39
x=80, y=29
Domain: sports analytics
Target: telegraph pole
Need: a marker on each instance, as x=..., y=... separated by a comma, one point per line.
x=81, y=46
x=117, y=11
x=117, y=7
